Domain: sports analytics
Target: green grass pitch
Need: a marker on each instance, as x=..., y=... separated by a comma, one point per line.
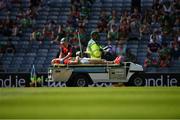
x=90, y=103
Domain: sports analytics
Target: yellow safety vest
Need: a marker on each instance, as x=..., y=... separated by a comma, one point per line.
x=94, y=50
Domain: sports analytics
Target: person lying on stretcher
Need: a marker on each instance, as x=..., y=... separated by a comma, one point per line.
x=84, y=60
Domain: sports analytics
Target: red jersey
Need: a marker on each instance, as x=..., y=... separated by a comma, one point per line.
x=65, y=51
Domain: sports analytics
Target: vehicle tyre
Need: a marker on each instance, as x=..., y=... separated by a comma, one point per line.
x=137, y=80
x=80, y=81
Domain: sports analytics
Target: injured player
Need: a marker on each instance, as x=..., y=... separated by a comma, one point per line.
x=84, y=60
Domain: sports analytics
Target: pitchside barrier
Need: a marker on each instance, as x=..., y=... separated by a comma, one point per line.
x=41, y=80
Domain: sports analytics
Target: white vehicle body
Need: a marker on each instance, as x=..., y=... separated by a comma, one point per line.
x=85, y=74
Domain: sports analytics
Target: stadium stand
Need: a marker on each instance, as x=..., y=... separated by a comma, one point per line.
x=30, y=53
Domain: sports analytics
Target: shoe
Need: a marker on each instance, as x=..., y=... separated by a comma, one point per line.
x=117, y=60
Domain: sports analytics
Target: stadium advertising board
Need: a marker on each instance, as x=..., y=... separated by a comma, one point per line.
x=162, y=79
x=25, y=80
x=14, y=80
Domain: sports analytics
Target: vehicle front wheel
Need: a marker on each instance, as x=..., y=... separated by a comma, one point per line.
x=136, y=80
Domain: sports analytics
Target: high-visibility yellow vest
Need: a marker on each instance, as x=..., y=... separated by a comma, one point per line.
x=94, y=50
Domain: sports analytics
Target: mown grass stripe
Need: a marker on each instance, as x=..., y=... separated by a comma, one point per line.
x=91, y=103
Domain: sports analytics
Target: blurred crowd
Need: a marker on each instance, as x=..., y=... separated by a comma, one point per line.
x=160, y=24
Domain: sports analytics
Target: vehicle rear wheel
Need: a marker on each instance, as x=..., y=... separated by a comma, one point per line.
x=80, y=81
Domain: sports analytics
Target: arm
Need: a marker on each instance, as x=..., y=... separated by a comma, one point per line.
x=33, y=36
x=60, y=55
x=67, y=56
x=75, y=61
x=59, y=29
x=149, y=51
x=108, y=35
x=15, y=31
x=56, y=39
x=52, y=36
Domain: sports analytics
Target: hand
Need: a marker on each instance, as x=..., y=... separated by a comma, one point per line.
x=61, y=61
